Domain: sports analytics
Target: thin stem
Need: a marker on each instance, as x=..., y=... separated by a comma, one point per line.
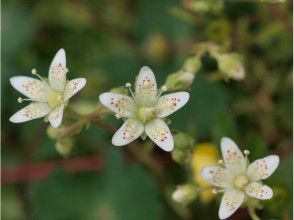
x=252, y=212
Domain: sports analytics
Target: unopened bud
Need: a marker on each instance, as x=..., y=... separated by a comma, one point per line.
x=231, y=66
x=192, y=65
x=185, y=194
x=183, y=148
x=64, y=146
x=120, y=90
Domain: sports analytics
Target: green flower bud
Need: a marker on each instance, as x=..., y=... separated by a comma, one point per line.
x=84, y=107
x=52, y=132
x=183, y=141
x=183, y=148
x=192, y=65
x=230, y=66
x=64, y=146
x=120, y=90
x=185, y=194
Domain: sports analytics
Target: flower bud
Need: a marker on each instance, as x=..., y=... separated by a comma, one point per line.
x=185, y=194
x=64, y=146
x=183, y=146
x=120, y=90
x=192, y=65
x=52, y=132
x=230, y=66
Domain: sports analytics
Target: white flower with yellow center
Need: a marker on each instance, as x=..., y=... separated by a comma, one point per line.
x=239, y=179
x=49, y=97
x=144, y=111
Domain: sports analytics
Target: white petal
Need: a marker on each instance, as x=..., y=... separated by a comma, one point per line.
x=231, y=201
x=146, y=87
x=217, y=176
x=119, y=104
x=30, y=112
x=55, y=117
x=72, y=87
x=233, y=157
x=30, y=87
x=263, y=168
x=259, y=191
x=158, y=131
x=170, y=103
x=128, y=132
x=57, y=71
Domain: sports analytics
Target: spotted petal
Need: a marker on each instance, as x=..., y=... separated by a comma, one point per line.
x=128, y=132
x=57, y=71
x=263, y=168
x=216, y=175
x=158, y=131
x=122, y=105
x=146, y=87
x=170, y=103
x=55, y=117
x=72, y=87
x=30, y=87
x=231, y=201
x=30, y=112
x=259, y=191
x=233, y=157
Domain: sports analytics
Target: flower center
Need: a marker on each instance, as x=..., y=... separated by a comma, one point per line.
x=241, y=181
x=145, y=114
x=54, y=99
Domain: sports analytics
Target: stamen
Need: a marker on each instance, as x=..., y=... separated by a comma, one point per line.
x=117, y=116
x=34, y=72
x=129, y=85
x=246, y=152
x=20, y=100
x=162, y=89
x=221, y=162
x=215, y=191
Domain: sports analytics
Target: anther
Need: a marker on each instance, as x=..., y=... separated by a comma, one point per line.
x=214, y=191
x=19, y=99
x=246, y=152
x=220, y=162
x=34, y=71
x=164, y=88
x=117, y=116
x=128, y=85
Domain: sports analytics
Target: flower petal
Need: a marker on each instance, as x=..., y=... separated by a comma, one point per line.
x=231, y=201
x=216, y=175
x=158, y=131
x=30, y=112
x=128, y=132
x=233, y=157
x=259, y=191
x=57, y=71
x=263, y=168
x=170, y=103
x=72, y=87
x=146, y=87
x=55, y=117
x=119, y=104
x=32, y=88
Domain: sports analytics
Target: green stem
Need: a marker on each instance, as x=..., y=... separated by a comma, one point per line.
x=252, y=212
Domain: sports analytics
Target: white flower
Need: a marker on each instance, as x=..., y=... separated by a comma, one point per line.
x=145, y=111
x=49, y=97
x=238, y=178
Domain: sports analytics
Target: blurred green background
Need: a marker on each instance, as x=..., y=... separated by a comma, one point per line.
x=107, y=42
